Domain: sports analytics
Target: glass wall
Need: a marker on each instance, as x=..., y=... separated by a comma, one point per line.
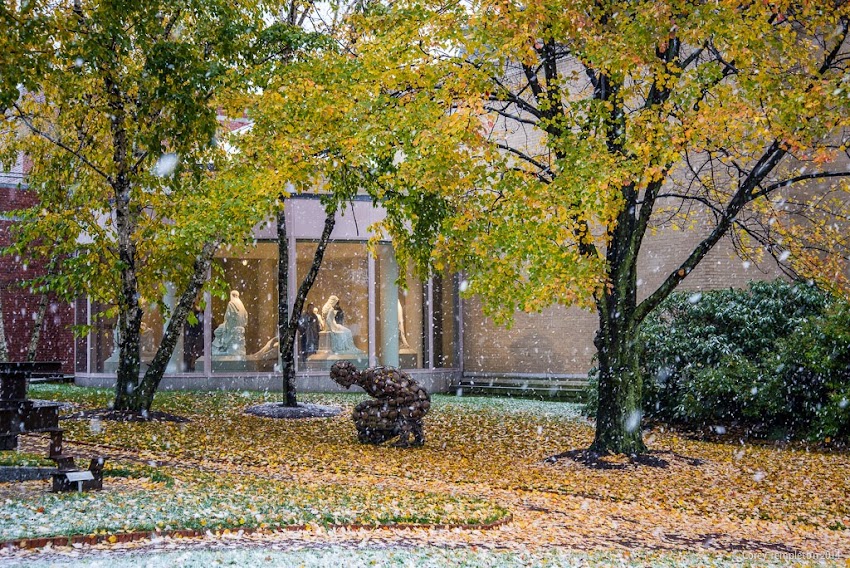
x=335, y=322
x=244, y=317
x=104, y=351
x=444, y=317
x=81, y=343
x=355, y=311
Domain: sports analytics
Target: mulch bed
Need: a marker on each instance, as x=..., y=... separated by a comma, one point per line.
x=278, y=410
x=125, y=416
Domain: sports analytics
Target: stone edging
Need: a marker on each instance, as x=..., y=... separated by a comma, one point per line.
x=41, y=542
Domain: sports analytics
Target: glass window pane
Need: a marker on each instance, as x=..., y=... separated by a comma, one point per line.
x=244, y=319
x=104, y=341
x=444, y=290
x=335, y=322
x=81, y=342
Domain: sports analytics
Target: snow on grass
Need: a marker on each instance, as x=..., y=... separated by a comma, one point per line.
x=421, y=557
x=203, y=501
x=218, y=402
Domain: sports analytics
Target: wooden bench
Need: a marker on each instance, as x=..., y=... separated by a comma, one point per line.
x=36, y=371
x=564, y=388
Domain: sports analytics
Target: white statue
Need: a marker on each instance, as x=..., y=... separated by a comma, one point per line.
x=322, y=326
x=268, y=352
x=230, y=335
x=402, y=336
x=116, y=347
x=342, y=340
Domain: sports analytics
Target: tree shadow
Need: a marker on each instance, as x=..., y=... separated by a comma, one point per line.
x=596, y=460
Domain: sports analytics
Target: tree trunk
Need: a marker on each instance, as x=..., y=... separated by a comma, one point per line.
x=129, y=359
x=4, y=347
x=288, y=323
x=153, y=376
x=618, y=415
x=129, y=308
x=285, y=333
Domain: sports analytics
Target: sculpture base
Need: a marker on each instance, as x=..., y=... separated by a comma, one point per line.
x=323, y=360
x=236, y=363
x=408, y=359
x=112, y=366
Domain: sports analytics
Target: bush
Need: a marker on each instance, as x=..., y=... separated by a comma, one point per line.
x=774, y=358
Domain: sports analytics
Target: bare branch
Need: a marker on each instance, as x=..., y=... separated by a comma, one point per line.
x=797, y=179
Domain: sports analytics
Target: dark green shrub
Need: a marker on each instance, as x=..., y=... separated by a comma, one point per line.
x=774, y=358
x=816, y=372
x=692, y=332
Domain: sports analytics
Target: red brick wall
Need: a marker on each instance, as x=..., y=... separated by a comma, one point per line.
x=20, y=306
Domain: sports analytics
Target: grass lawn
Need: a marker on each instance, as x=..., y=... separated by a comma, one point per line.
x=483, y=460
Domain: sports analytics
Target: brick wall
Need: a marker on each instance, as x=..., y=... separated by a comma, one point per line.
x=560, y=340
x=20, y=306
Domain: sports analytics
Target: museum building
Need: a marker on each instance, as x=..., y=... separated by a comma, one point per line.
x=355, y=311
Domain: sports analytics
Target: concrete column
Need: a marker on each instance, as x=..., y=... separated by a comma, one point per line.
x=175, y=364
x=389, y=308
x=370, y=269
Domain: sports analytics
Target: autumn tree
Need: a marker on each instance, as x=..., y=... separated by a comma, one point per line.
x=303, y=140
x=589, y=125
x=121, y=125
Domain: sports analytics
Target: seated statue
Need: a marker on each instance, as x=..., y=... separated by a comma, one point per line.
x=342, y=340
x=268, y=352
x=230, y=335
x=398, y=407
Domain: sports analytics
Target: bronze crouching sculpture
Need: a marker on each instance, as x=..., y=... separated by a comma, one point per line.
x=398, y=407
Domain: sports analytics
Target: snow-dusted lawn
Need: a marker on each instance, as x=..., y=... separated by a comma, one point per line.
x=223, y=501
x=483, y=458
x=420, y=557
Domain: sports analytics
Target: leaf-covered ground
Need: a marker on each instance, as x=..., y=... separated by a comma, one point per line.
x=482, y=456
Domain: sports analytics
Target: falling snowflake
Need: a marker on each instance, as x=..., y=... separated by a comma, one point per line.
x=633, y=421
x=166, y=165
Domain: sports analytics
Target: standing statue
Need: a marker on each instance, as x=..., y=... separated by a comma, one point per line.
x=230, y=335
x=309, y=328
x=342, y=340
x=397, y=409
x=402, y=335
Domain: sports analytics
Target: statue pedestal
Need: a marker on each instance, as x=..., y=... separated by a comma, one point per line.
x=317, y=363
x=324, y=358
x=111, y=365
x=236, y=363
x=408, y=358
